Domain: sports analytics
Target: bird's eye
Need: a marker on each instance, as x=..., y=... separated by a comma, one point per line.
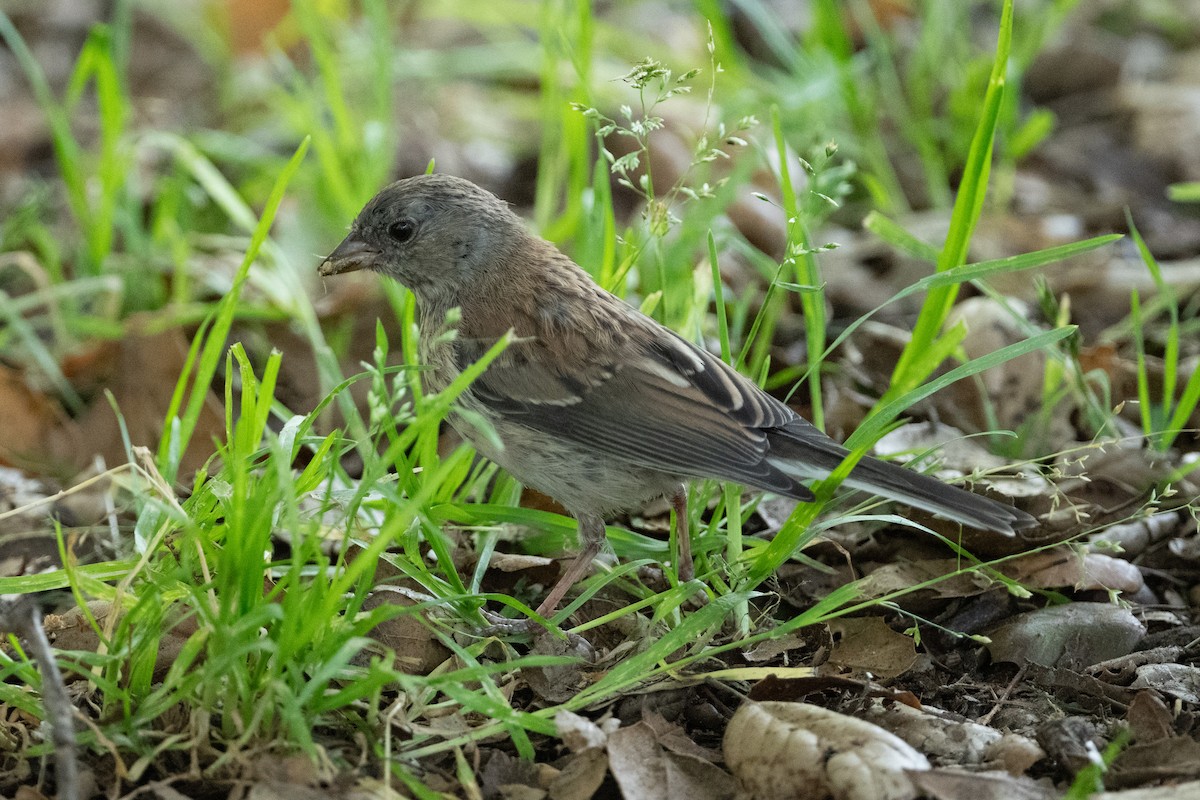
x=402, y=230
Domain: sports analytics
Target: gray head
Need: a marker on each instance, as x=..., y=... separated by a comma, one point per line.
x=433, y=233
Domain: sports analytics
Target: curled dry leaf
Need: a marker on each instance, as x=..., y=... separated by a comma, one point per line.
x=788, y=750
x=1065, y=567
x=941, y=578
x=1181, y=681
x=1121, y=670
x=579, y=733
x=654, y=760
x=580, y=778
x=1183, y=790
x=1170, y=760
x=954, y=741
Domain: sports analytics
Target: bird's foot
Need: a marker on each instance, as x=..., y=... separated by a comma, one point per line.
x=545, y=640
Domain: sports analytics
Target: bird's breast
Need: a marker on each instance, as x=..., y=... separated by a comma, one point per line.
x=439, y=362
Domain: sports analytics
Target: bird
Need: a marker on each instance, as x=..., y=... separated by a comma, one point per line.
x=594, y=403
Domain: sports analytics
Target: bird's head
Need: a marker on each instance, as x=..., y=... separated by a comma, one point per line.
x=433, y=233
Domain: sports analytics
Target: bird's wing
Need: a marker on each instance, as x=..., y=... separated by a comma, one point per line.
x=638, y=392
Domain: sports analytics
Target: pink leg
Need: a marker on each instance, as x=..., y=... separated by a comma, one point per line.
x=591, y=538
x=683, y=538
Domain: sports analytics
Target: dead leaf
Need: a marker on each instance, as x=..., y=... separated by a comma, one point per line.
x=789, y=750
x=275, y=790
x=794, y=689
x=1081, y=571
x=771, y=649
x=1177, y=680
x=949, y=740
x=140, y=371
x=1076, y=634
x=418, y=650
x=869, y=645
x=557, y=684
x=249, y=25
x=1149, y=718
x=646, y=770
x=952, y=784
x=1013, y=390
x=579, y=733
x=501, y=769
x=515, y=562
x=581, y=776
x=939, y=573
x=30, y=418
x=951, y=449
x=1174, y=759
x=1070, y=741
x=1173, y=791
x=1122, y=670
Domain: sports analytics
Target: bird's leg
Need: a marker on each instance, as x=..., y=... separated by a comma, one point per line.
x=591, y=538
x=683, y=539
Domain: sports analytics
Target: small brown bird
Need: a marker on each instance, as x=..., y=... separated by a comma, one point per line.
x=596, y=404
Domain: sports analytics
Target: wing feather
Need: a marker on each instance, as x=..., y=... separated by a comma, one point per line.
x=656, y=401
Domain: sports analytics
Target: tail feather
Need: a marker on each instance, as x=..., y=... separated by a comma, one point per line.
x=942, y=499
x=808, y=453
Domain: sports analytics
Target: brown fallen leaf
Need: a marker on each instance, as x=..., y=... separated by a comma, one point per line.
x=579, y=779
x=1173, y=759
x=30, y=419
x=418, y=651
x=1149, y=718
x=938, y=572
x=947, y=784
x=1010, y=393
x=772, y=688
x=72, y=630
x=140, y=371
x=647, y=770
x=1072, y=742
x=1188, y=790
x=868, y=644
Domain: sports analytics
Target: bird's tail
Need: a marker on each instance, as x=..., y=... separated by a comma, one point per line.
x=805, y=452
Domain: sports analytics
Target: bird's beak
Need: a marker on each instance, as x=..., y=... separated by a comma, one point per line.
x=351, y=255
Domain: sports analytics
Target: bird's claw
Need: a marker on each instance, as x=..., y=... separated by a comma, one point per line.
x=545, y=640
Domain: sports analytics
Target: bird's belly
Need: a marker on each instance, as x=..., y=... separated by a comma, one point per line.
x=582, y=480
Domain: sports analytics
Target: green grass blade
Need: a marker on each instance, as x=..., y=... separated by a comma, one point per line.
x=214, y=341
x=968, y=206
